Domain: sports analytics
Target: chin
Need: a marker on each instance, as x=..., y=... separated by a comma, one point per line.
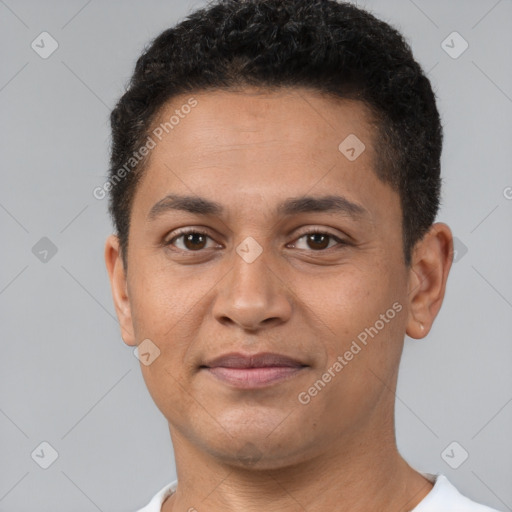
x=255, y=457
x=254, y=448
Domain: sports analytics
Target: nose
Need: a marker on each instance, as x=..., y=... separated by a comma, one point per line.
x=253, y=296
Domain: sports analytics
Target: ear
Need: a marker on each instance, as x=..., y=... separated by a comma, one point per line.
x=431, y=262
x=118, y=284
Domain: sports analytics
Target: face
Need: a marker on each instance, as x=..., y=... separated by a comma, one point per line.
x=321, y=282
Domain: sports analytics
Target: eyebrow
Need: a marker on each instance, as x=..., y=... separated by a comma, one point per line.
x=291, y=206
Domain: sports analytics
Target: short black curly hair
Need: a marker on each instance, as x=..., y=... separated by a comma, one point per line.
x=329, y=46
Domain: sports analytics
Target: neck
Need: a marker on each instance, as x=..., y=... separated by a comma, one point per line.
x=364, y=472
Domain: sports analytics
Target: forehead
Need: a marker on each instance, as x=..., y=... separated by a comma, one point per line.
x=309, y=123
x=262, y=144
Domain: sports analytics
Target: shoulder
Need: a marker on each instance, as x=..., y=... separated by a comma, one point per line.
x=155, y=505
x=444, y=497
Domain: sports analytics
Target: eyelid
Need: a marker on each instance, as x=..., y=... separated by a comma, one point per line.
x=320, y=230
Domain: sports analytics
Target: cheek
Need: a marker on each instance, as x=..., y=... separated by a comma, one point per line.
x=168, y=390
x=360, y=315
x=163, y=299
x=164, y=310
x=168, y=306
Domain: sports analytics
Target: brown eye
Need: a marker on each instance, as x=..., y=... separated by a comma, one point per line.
x=317, y=240
x=191, y=241
x=194, y=241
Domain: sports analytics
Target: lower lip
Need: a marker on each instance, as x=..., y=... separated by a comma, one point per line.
x=254, y=377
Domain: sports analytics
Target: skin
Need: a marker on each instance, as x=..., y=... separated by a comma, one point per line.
x=261, y=449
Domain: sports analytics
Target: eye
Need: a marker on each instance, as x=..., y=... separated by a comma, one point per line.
x=193, y=240
x=319, y=240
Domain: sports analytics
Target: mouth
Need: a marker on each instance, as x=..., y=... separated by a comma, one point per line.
x=253, y=371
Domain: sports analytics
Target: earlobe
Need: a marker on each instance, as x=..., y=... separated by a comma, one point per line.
x=431, y=263
x=118, y=284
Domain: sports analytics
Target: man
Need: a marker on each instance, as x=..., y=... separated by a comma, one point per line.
x=275, y=177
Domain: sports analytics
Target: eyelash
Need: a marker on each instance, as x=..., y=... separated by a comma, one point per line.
x=312, y=231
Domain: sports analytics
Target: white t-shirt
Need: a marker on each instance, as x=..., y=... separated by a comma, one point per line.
x=443, y=497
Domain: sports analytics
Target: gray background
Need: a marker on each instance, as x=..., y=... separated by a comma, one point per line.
x=66, y=376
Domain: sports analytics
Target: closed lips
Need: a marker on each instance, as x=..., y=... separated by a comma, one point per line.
x=262, y=360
